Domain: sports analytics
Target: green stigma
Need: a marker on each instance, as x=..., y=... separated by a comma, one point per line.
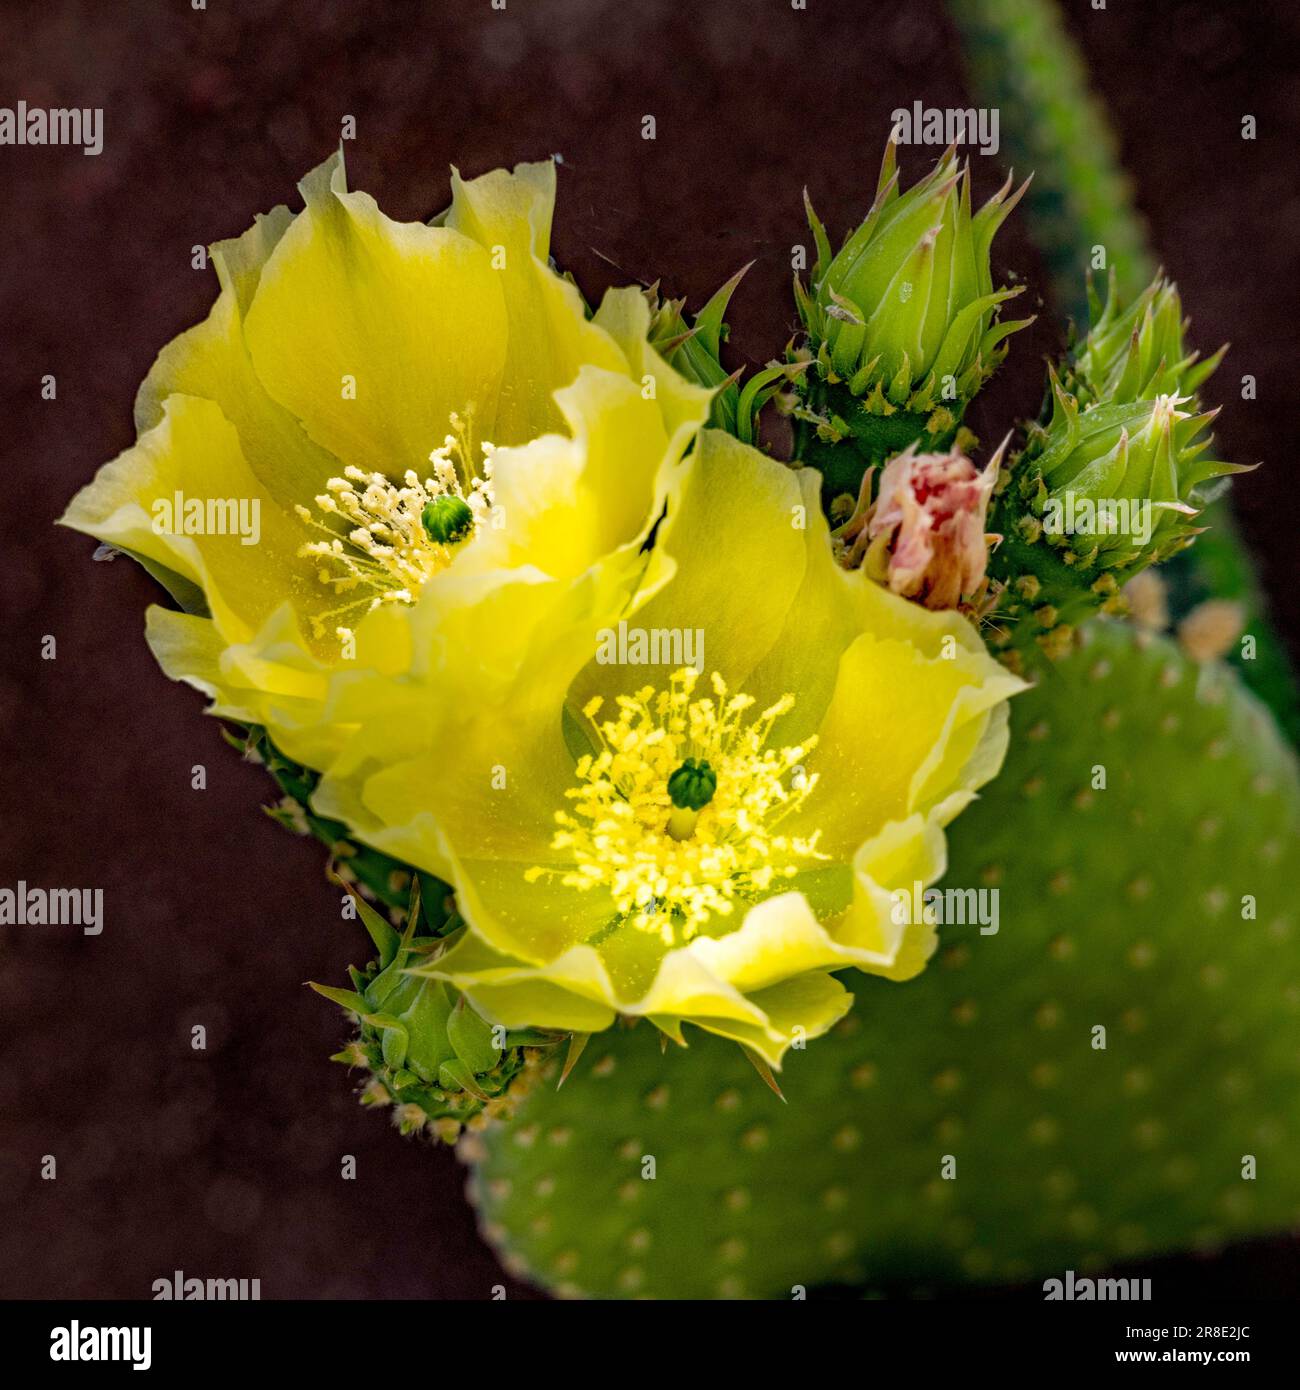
x=448, y=519
x=691, y=788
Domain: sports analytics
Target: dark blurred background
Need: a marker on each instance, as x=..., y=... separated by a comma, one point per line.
x=225, y=1163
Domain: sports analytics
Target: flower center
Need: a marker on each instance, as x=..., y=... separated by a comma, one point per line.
x=385, y=540
x=677, y=813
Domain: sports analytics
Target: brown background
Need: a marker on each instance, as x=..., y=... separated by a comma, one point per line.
x=226, y=1163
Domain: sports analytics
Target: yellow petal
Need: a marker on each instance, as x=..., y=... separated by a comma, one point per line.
x=795, y=1011
x=905, y=853
x=189, y=649
x=568, y=500
x=516, y=995
x=373, y=332
x=242, y=549
x=577, y=991
x=625, y=315
x=211, y=360
x=269, y=682
x=739, y=554
x=549, y=336
x=890, y=708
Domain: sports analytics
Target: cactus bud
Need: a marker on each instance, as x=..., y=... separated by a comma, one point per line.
x=695, y=351
x=924, y=535
x=1112, y=481
x=902, y=324
x=428, y=1053
x=1136, y=353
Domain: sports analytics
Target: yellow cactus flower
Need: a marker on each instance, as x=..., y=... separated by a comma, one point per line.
x=380, y=427
x=700, y=812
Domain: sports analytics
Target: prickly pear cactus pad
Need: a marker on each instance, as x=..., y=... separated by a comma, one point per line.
x=1115, y=1072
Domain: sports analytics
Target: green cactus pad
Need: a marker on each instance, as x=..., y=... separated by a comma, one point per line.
x=1120, y=908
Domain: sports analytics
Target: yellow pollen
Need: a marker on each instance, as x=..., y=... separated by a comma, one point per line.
x=376, y=546
x=619, y=831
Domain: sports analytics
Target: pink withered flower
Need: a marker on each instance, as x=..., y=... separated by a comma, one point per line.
x=924, y=533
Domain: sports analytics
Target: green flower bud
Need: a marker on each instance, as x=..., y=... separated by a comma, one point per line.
x=903, y=323
x=1120, y=479
x=429, y=1053
x=695, y=351
x=1136, y=353
x=448, y=519
x=1113, y=480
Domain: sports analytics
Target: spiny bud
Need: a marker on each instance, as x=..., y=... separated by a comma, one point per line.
x=428, y=1052
x=1136, y=353
x=1119, y=482
x=1112, y=480
x=695, y=350
x=902, y=323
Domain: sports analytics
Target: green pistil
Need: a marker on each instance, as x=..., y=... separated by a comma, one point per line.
x=692, y=786
x=447, y=519
x=690, y=789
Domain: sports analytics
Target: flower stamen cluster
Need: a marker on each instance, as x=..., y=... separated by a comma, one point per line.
x=385, y=540
x=626, y=831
